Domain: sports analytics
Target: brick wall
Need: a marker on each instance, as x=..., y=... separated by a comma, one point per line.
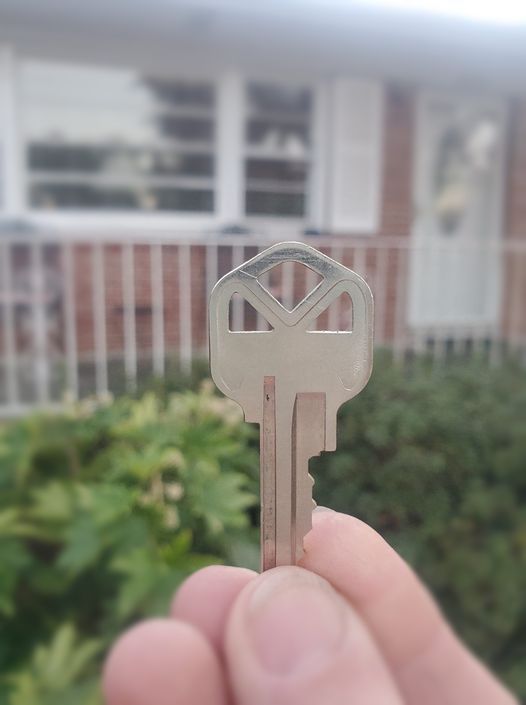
x=515, y=186
x=397, y=186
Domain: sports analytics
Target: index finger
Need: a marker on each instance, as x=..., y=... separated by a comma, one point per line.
x=428, y=660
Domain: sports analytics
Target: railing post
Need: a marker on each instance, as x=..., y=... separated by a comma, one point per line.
x=185, y=307
x=99, y=319
x=39, y=314
x=400, y=305
x=238, y=303
x=336, y=252
x=128, y=297
x=380, y=293
x=157, y=291
x=70, y=333
x=8, y=328
x=212, y=274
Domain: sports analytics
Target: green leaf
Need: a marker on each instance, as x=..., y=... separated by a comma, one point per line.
x=14, y=562
x=53, y=502
x=222, y=501
x=83, y=545
x=54, y=668
x=141, y=573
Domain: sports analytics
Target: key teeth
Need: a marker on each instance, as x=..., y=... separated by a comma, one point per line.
x=305, y=526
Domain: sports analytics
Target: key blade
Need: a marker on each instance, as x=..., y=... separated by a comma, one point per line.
x=267, y=460
x=308, y=440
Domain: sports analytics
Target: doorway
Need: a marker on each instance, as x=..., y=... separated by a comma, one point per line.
x=455, y=257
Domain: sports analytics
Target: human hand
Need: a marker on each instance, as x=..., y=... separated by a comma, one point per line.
x=353, y=625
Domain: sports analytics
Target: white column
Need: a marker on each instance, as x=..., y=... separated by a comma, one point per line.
x=230, y=168
x=11, y=195
x=318, y=193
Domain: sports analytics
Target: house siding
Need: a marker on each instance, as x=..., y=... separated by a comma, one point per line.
x=395, y=222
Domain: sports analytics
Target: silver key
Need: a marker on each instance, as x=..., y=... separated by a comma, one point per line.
x=291, y=380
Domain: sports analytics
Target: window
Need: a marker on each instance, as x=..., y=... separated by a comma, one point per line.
x=277, y=150
x=121, y=141
x=117, y=140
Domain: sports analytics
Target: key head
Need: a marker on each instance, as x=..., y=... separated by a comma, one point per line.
x=301, y=359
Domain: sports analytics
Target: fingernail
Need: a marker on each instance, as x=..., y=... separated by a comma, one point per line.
x=319, y=509
x=295, y=621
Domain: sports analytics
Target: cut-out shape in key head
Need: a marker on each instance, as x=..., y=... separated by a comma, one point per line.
x=337, y=317
x=289, y=282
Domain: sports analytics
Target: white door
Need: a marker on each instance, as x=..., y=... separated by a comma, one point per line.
x=455, y=267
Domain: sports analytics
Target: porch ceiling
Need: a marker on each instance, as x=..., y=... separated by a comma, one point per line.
x=301, y=35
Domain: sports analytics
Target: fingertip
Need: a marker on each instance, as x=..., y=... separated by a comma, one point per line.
x=349, y=538
x=162, y=661
x=327, y=520
x=205, y=598
x=291, y=639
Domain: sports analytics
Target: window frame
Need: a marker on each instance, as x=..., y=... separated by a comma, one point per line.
x=87, y=219
x=313, y=216
x=229, y=153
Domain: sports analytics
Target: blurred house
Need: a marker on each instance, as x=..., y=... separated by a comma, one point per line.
x=199, y=131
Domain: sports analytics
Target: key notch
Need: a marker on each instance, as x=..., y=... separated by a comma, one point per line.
x=337, y=317
x=290, y=282
x=243, y=317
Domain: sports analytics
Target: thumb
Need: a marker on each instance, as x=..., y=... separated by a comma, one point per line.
x=292, y=639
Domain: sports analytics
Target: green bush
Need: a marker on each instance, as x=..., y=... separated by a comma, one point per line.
x=103, y=511
x=105, y=508
x=435, y=459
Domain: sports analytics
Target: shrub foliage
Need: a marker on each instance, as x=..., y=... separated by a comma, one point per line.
x=435, y=459
x=106, y=507
x=103, y=511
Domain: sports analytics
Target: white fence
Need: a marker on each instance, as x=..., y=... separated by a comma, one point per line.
x=82, y=315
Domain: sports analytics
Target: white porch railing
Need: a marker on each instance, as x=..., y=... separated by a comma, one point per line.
x=82, y=315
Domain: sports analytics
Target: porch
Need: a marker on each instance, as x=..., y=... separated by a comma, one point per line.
x=83, y=315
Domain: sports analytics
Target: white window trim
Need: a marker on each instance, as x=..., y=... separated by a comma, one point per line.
x=319, y=182
x=229, y=180
x=229, y=154
x=369, y=226
x=12, y=205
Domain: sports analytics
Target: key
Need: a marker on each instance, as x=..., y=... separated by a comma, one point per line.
x=291, y=380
